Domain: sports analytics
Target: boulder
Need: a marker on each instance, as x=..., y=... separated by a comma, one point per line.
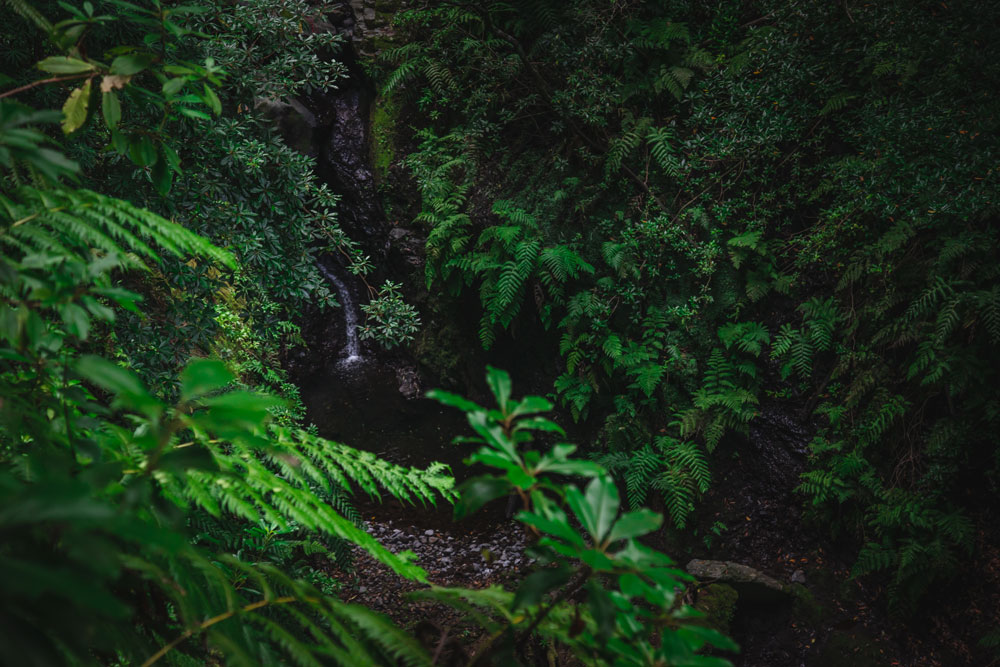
x=742, y=577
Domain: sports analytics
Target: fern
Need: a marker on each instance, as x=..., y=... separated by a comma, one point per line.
x=660, y=140
x=42, y=221
x=746, y=336
x=276, y=485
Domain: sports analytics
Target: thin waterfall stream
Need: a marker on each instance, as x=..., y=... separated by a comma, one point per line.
x=352, y=349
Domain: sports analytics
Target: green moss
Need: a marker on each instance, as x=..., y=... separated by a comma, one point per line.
x=718, y=603
x=384, y=115
x=435, y=350
x=805, y=608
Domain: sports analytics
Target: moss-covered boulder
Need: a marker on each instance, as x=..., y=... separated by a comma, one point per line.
x=718, y=603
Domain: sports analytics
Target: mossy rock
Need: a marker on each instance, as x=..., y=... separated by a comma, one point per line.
x=718, y=603
x=385, y=113
x=805, y=608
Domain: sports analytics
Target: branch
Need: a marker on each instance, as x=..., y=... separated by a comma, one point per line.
x=571, y=589
x=54, y=79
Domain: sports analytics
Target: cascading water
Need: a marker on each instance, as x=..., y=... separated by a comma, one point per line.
x=352, y=350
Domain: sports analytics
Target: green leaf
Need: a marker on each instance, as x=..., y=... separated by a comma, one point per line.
x=556, y=526
x=142, y=151
x=696, y=636
x=128, y=389
x=111, y=108
x=172, y=158
x=478, y=491
x=602, y=607
x=530, y=405
x=75, y=108
x=536, y=585
x=131, y=64
x=634, y=524
x=64, y=65
x=194, y=113
x=597, y=560
x=632, y=585
x=598, y=508
x=244, y=401
x=203, y=376
x=173, y=86
x=77, y=321
x=212, y=100
x=492, y=433
x=161, y=176
x=499, y=383
x=452, y=400
x=119, y=141
x=539, y=424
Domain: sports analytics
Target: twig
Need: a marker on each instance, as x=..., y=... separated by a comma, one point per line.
x=54, y=79
x=218, y=619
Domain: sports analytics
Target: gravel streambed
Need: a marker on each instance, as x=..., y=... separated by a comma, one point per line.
x=475, y=557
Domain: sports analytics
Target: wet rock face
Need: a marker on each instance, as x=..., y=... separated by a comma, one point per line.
x=343, y=160
x=373, y=23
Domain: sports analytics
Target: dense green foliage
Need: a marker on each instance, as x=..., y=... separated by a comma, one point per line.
x=115, y=495
x=713, y=205
x=145, y=505
x=613, y=599
x=699, y=211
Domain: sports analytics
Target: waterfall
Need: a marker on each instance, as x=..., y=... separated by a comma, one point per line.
x=352, y=351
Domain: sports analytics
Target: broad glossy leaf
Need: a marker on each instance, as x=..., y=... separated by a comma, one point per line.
x=635, y=523
x=75, y=108
x=64, y=65
x=142, y=151
x=631, y=584
x=77, y=320
x=111, y=108
x=602, y=608
x=696, y=636
x=161, y=176
x=602, y=496
x=131, y=64
x=596, y=509
x=499, y=383
x=128, y=389
x=536, y=585
x=520, y=478
x=173, y=86
x=203, y=376
x=492, y=433
x=530, y=405
x=552, y=526
x=581, y=468
x=452, y=400
x=539, y=424
x=212, y=100
x=478, y=491
x=597, y=561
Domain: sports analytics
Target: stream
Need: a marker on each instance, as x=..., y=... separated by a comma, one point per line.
x=352, y=347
